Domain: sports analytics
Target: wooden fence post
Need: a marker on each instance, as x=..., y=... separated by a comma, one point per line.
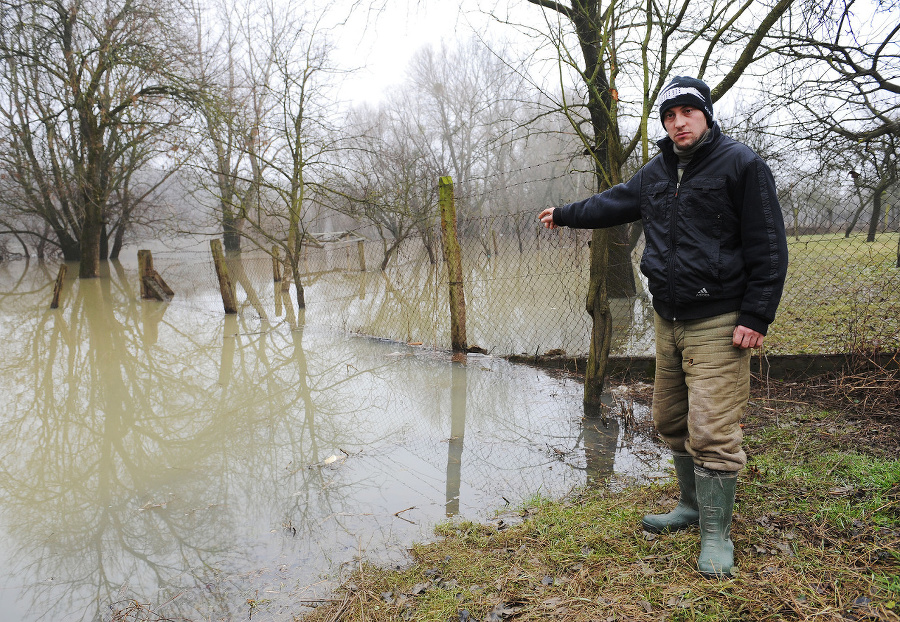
x=226, y=287
x=361, y=251
x=453, y=257
x=153, y=287
x=57, y=288
x=145, y=266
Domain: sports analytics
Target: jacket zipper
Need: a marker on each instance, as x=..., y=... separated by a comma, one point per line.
x=672, y=247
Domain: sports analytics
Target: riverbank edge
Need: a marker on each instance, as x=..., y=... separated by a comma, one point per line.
x=815, y=537
x=786, y=368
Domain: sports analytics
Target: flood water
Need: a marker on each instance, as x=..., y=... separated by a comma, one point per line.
x=167, y=453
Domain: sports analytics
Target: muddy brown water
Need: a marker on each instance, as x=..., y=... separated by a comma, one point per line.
x=198, y=463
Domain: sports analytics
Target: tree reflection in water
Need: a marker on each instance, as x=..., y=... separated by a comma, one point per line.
x=154, y=451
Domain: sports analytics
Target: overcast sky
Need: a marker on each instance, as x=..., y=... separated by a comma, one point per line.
x=381, y=44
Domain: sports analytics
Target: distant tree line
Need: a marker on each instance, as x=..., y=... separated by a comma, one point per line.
x=126, y=119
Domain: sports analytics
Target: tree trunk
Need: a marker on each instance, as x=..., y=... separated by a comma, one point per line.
x=876, y=207
x=597, y=307
x=588, y=18
x=294, y=248
x=876, y=216
x=70, y=248
x=90, y=245
x=859, y=211
x=231, y=233
x=93, y=194
x=620, y=279
x=118, y=242
x=388, y=252
x=298, y=285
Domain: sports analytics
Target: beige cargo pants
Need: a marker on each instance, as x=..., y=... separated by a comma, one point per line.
x=701, y=390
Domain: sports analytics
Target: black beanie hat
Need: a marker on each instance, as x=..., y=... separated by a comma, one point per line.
x=685, y=91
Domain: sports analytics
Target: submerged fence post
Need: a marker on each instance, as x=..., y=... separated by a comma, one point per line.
x=57, y=288
x=145, y=265
x=453, y=257
x=226, y=287
x=153, y=287
x=361, y=251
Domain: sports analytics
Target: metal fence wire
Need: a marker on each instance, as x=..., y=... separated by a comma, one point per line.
x=525, y=287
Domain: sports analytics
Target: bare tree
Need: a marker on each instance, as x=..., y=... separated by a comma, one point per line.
x=462, y=111
x=388, y=181
x=465, y=107
x=147, y=165
x=82, y=83
x=841, y=69
x=293, y=140
x=873, y=169
x=235, y=71
x=620, y=54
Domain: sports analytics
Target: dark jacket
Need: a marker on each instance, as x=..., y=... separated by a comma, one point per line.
x=714, y=243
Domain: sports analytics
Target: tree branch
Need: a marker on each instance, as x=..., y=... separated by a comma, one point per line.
x=553, y=6
x=746, y=57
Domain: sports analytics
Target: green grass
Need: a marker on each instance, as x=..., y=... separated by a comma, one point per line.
x=841, y=295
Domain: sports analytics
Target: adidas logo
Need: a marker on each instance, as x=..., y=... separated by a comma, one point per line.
x=703, y=293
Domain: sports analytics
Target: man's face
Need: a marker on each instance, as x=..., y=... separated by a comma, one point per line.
x=685, y=125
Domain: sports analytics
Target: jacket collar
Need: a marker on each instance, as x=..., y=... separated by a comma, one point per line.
x=667, y=146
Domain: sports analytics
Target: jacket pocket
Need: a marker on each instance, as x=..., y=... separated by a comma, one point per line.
x=703, y=208
x=705, y=197
x=656, y=216
x=655, y=202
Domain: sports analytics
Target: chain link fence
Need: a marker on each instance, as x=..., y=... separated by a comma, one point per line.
x=525, y=288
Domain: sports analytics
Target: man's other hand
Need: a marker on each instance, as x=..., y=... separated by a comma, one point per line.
x=746, y=338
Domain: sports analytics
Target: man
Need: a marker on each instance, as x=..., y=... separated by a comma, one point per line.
x=715, y=258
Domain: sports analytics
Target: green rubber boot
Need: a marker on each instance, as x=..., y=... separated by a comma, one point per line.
x=685, y=513
x=715, y=497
